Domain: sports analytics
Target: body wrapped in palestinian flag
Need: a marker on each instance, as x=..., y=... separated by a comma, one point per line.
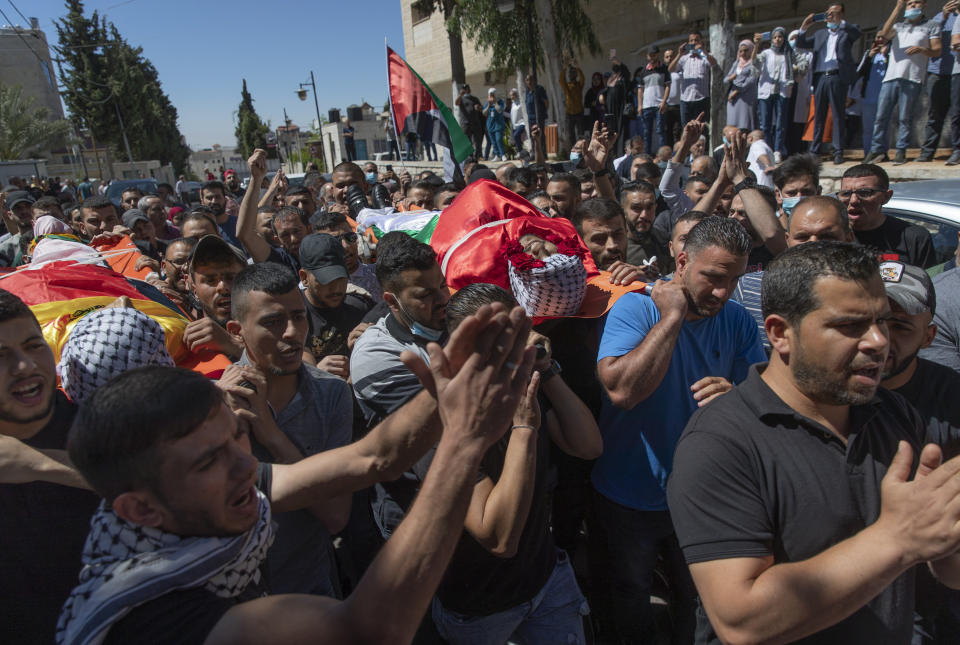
x=59, y=293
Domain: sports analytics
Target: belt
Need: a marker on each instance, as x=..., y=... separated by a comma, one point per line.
x=829, y=72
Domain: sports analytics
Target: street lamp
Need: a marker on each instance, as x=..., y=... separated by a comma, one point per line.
x=302, y=95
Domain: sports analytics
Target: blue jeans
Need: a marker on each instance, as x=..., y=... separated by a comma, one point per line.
x=495, y=137
x=633, y=542
x=518, y=134
x=868, y=117
x=773, y=121
x=651, y=116
x=899, y=93
x=411, y=151
x=554, y=615
x=430, y=150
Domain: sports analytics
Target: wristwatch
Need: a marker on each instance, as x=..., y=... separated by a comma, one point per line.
x=748, y=182
x=601, y=172
x=550, y=372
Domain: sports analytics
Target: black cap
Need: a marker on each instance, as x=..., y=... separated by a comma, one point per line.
x=212, y=248
x=19, y=196
x=323, y=256
x=653, y=49
x=132, y=216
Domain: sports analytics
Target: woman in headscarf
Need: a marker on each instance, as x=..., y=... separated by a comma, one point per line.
x=615, y=99
x=774, y=90
x=742, y=98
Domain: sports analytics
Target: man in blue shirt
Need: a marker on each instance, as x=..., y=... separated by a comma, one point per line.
x=536, y=108
x=661, y=357
x=939, y=73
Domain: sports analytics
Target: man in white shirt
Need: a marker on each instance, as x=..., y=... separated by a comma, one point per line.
x=912, y=43
x=517, y=123
x=672, y=122
x=694, y=65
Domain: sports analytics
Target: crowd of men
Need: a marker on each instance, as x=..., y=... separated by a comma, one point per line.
x=764, y=437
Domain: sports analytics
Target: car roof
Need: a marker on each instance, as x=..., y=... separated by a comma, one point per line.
x=931, y=190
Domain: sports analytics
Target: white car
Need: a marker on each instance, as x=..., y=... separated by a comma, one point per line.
x=934, y=205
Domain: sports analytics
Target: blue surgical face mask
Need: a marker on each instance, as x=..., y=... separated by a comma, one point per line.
x=789, y=203
x=833, y=26
x=912, y=14
x=371, y=177
x=574, y=157
x=656, y=193
x=427, y=333
x=726, y=141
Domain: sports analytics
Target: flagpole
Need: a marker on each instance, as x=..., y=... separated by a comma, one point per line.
x=393, y=115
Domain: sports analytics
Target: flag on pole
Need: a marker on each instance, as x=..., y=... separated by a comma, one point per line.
x=417, y=109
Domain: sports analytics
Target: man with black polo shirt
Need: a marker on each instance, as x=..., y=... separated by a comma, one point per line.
x=44, y=525
x=792, y=494
x=864, y=189
x=332, y=311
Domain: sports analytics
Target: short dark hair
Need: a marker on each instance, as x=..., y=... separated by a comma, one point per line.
x=163, y=404
x=422, y=184
x=796, y=166
x=568, y=178
x=583, y=175
x=600, y=209
x=326, y=220
x=189, y=242
x=298, y=190
x=213, y=185
x=868, y=170
x=522, y=176
x=313, y=179
x=697, y=179
x=96, y=202
x=470, y=298
x=448, y=187
x=268, y=277
x=46, y=202
x=789, y=280
x=11, y=306
x=347, y=166
x=266, y=208
x=639, y=186
x=648, y=170
x=164, y=184
x=689, y=216
x=201, y=213
x=401, y=255
x=289, y=211
x=723, y=232
x=131, y=189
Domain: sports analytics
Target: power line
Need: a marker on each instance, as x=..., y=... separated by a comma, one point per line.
x=18, y=11
x=16, y=30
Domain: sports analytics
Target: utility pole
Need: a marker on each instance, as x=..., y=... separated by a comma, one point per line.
x=123, y=131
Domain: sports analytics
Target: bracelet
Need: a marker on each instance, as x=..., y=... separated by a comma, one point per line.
x=523, y=425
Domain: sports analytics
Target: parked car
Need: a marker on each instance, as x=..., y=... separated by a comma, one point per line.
x=193, y=192
x=933, y=204
x=115, y=189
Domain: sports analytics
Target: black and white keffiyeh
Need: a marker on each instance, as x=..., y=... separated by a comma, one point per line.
x=556, y=288
x=126, y=565
x=107, y=342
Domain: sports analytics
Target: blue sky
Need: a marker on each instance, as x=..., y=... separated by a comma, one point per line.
x=202, y=51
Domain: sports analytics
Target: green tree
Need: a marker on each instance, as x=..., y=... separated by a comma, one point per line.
x=105, y=79
x=24, y=127
x=251, y=131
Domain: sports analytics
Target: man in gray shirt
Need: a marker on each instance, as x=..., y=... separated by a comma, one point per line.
x=301, y=411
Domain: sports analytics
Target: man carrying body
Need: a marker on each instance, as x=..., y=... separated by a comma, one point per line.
x=44, y=525
x=834, y=71
x=153, y=206
x=211, y=269
x=362, y=276
x=213, y=195
x=301, y=411
x=661, y=357
x=814, y=420
x=174, y=267
x=639, y=202
x=189, y=442
x=18, y=214
x=864, y=189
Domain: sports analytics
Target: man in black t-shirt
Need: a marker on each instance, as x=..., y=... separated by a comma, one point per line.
x=794, y=495
x=864, y=189
x=333, y=313
x=933, y=390
x=507, y=577
x=43, y=524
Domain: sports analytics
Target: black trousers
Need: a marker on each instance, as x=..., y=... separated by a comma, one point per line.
x=829, y=92
x=938, y=90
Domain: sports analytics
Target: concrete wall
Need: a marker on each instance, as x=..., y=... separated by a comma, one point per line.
x=19, y=66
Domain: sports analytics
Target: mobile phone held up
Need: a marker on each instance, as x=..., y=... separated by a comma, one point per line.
x=689, y=47
x=819, y=17
x=765, y=36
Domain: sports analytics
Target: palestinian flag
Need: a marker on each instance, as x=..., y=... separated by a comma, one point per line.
x=417, y=224
x=416, y=108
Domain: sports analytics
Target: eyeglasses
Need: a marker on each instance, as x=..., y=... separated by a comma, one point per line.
x=349, y=238
x=862, y=193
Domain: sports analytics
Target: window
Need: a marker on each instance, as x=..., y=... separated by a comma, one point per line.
x=418, y=15
x=943, y=232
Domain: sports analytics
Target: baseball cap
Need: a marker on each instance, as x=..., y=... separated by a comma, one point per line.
x=134, y=215
x=908, y=286
x=323, y=256
x=230, y=171
x=653, y=49
x=212, y=248
x=19, y=196
x=492, y=90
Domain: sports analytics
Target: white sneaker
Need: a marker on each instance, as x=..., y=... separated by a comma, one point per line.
x=777, y=157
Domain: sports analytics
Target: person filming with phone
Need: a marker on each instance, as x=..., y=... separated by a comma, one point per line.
x=694, y=64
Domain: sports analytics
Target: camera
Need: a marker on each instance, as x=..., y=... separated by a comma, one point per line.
x=356, y=200
x=380, y=196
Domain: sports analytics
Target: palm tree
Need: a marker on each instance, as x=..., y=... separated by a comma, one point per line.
x=24, y=127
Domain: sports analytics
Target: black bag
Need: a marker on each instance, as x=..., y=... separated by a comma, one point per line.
x=629, y=110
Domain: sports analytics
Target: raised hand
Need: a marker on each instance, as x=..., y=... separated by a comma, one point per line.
x=595, y=153
x=258, y=164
